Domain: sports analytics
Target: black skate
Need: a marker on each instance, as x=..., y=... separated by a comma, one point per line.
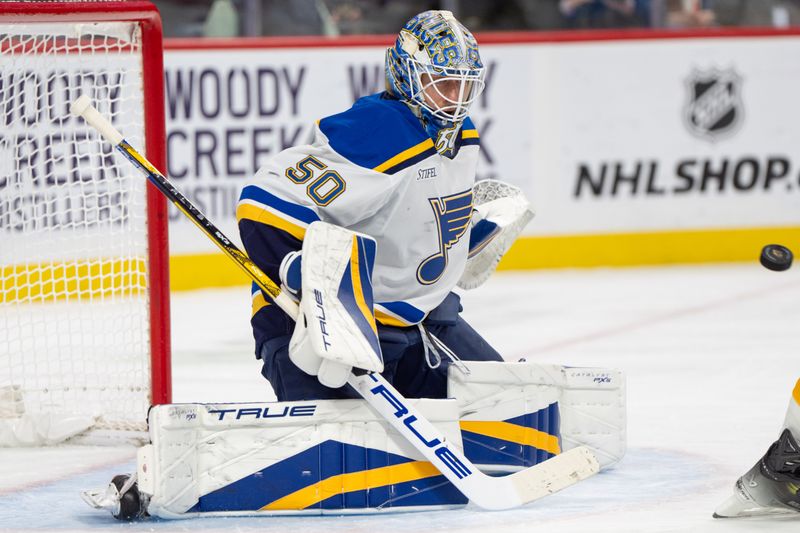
x=771, y=486
x=122, y=498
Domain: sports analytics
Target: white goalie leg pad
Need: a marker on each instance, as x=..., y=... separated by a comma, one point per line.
x=339, y=322
x=518, y=414
x=505, y=207
x=314, y=457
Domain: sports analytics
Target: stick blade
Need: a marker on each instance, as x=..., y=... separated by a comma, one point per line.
x=555, y=474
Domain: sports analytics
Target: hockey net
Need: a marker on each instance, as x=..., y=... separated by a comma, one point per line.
x=83, y=299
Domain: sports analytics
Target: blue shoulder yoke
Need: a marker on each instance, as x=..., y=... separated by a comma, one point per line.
x=381, y=133
x=373, y=131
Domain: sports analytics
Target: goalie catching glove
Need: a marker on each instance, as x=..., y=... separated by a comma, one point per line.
x=336, y=328
x=501, y=212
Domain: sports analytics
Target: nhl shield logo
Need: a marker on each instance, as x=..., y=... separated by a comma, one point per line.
x=714, y=109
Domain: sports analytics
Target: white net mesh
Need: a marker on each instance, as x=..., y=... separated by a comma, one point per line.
x=74, y=328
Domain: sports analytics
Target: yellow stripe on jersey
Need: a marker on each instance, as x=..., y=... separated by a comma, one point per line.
x=514, y=433
x=261, y=215
x=259, y=302
x=389, y=320
x=405, y=155
x=469, y=134
x=351, y=482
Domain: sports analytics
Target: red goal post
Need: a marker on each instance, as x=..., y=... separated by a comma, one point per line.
x=84, y=284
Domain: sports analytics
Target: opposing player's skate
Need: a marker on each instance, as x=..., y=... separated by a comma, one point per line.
x=771, y=486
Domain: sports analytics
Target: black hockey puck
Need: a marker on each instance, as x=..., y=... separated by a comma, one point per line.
x=776, y=257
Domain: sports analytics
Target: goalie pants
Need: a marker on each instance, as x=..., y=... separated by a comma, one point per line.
x=405, y=364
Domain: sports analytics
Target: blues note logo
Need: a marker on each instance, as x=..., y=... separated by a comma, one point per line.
x=452, y=220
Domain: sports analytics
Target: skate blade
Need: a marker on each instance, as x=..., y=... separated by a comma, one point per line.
x=735, y=507
x=102, y=499
x=761, y=511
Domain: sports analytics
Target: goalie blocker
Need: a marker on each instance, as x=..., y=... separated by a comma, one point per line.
x=338, y=457
x=337, y=330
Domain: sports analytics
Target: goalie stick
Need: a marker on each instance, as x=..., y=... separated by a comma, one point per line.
x=492, y=493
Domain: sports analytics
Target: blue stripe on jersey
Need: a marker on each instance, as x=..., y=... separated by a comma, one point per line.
x=469, y=134
x=426, y=149
x=404, y=310
x=297, y=211
x=411, y=161
x=373, y=131
x=468, y=126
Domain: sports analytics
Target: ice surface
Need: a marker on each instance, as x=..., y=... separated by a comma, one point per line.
x=711, y=354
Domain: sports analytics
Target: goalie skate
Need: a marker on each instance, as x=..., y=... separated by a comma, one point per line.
x=771, y=486
x=121, y=498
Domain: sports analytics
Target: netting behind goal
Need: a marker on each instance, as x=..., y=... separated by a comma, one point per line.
x=76, y=224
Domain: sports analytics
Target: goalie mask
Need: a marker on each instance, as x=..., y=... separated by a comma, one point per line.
x=435, y=67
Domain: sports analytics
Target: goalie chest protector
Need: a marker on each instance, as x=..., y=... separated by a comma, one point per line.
x=374, y=170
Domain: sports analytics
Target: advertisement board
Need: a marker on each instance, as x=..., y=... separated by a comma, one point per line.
x=669, y=148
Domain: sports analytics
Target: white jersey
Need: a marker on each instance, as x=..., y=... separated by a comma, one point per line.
x=374, y=170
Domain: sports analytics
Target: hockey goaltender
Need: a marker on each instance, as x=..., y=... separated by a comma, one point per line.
x=369, y=229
